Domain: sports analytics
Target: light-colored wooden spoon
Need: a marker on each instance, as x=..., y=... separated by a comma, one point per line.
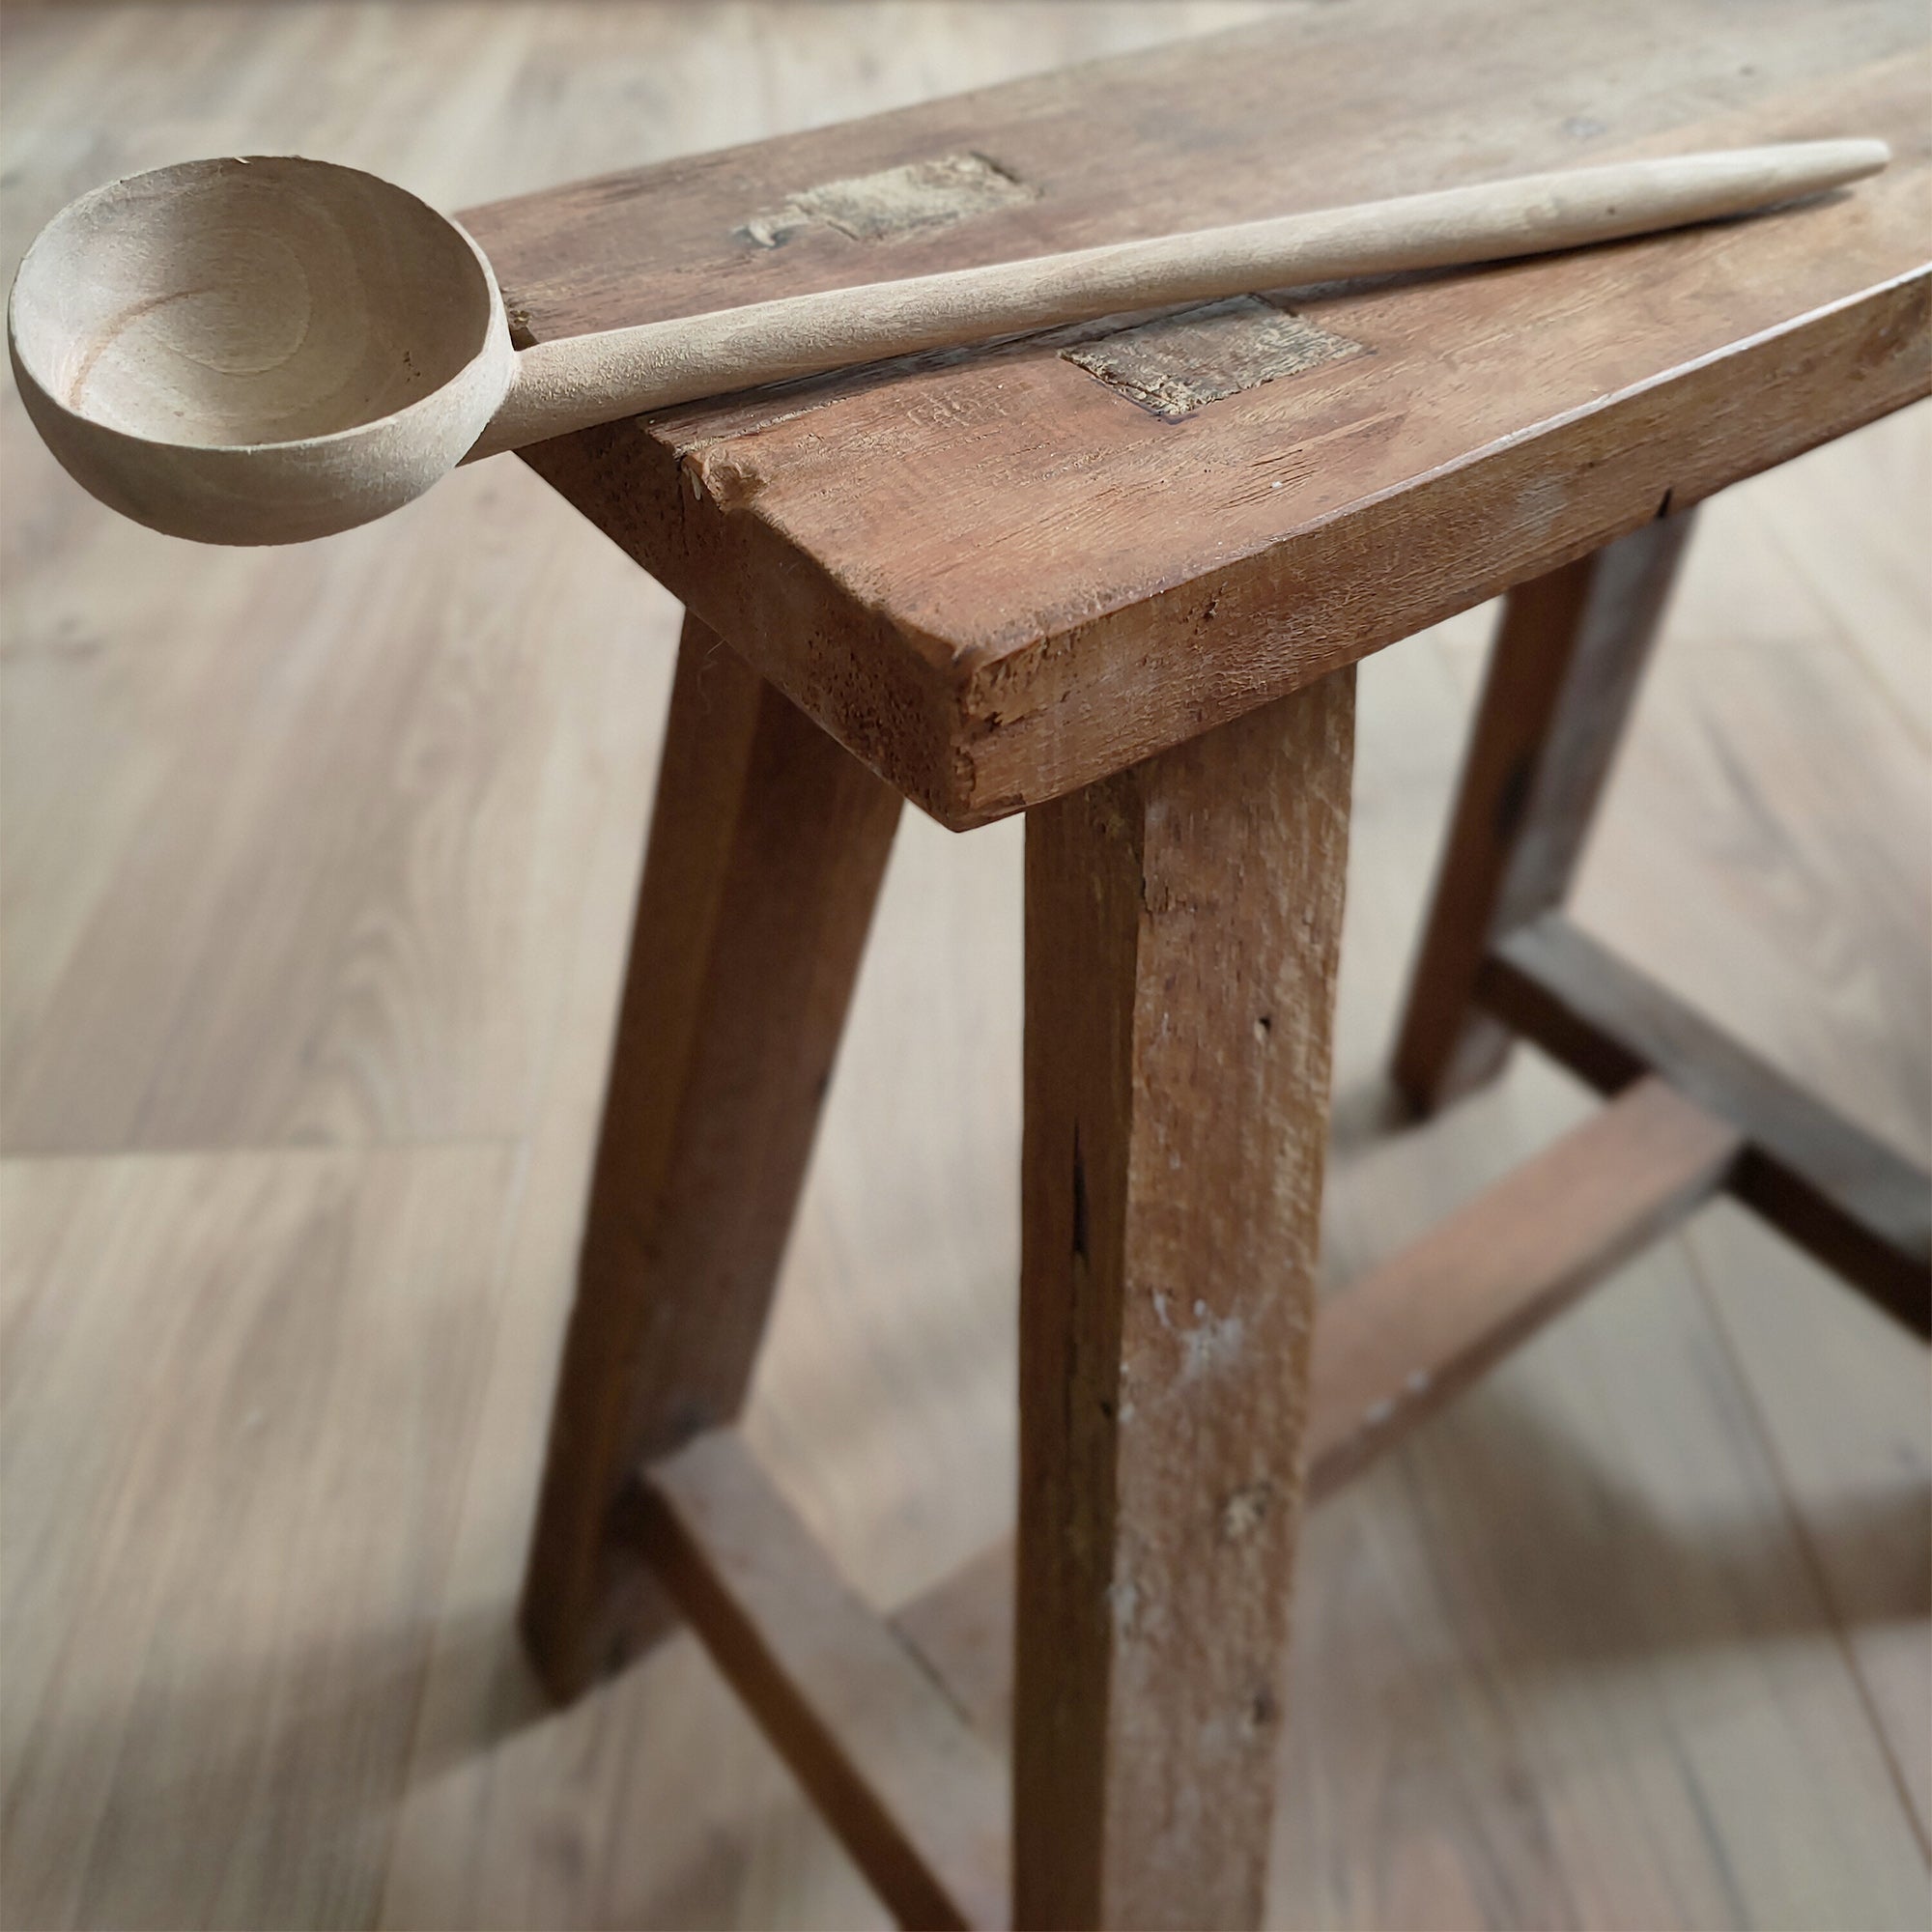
x=268, y=349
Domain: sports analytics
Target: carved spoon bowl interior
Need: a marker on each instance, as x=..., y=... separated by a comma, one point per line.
x=271, y=348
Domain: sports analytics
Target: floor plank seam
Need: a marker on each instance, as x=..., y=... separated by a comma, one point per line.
x=1801, y=1535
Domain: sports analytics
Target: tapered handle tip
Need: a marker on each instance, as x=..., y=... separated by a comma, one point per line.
x=1839, y=162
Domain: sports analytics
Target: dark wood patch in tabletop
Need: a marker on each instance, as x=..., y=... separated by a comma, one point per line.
x=1176, y=363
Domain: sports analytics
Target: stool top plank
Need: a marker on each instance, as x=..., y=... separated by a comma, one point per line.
x=996, y=576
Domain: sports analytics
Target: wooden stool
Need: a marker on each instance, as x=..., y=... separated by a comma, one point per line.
x=1118, y=578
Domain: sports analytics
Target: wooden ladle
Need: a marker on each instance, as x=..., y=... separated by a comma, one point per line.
x=268, y=349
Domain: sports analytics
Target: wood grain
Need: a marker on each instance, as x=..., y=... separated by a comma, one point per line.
x=569, y=382
x=918, y=1798
x=1106, y=583
x=345, y=851
x=1419, y=1330
x=1834, y=1190
x=270, y=348
x=1182, y=922
x=1857, y=1496
x=767, y=846
x=257, y=349
x=318, y=801
x=1415, y=1333
x=1564, y=670
x=233, y=1385
x=1605, y=1511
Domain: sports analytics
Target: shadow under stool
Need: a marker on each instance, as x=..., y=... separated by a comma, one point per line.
x=1117, y=577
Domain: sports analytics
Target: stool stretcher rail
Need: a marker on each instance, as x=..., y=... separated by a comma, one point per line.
x=1841, y=1195
x=895, y=1724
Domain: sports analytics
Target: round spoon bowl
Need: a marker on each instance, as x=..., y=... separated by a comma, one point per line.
x=258, y=350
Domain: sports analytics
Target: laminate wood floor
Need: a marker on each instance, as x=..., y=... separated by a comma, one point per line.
x=317, y=869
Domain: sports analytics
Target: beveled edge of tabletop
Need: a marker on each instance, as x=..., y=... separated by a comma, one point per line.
x=971, y=734
x=971, y=742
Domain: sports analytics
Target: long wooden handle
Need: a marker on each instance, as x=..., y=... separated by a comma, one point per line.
x=570, y=384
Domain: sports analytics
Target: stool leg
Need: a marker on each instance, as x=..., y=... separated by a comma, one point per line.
x=766, y=851
x=1563, y=677
x=1182, y=921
